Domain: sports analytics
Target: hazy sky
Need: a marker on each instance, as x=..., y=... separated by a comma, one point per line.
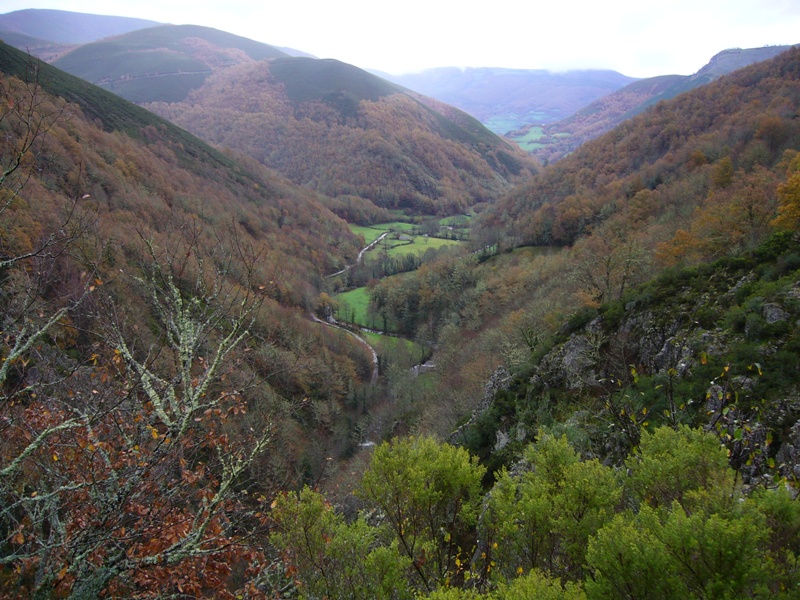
x=639, y=38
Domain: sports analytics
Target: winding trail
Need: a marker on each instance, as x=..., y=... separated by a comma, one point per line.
x=374, y=377
x=332, y=322
x=360, y=256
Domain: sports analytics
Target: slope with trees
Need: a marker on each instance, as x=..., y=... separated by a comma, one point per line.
x=559, y=139
x=343, y=132
x=159, y=378
x=674, y=156
x=704, y=177
x=625, y=400
x=161, y=63
x=672, y=523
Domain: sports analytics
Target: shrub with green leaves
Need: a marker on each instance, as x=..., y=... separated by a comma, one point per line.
x=429, y=493
x=544, y=517
x=329, y=558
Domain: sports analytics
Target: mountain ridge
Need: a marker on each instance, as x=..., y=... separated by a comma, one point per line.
x=183, y=55
x=562, y=137
x=503, y=99
x=67, y=27
x=343, y=131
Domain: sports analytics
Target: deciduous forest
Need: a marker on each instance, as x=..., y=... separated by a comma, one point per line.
x=609, y=406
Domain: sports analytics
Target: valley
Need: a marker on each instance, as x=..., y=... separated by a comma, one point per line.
x=289, y=330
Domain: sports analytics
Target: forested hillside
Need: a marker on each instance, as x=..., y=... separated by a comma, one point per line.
x=162, y=63
x=324, y=124
x=709, y=143
x=611, y=406
x=343, y=132
x=159, y=371
x=621, y=412
x=549, y=142
x=693, y=180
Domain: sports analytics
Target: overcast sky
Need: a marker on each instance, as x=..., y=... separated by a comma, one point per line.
x=639, y=38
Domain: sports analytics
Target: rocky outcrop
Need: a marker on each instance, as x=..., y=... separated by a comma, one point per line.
x=498, y=380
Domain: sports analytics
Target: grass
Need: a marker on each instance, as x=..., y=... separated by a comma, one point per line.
x=503, y=124
x=456, y=221
x=418, y=245
x=370, y=234
x=530, y=141
x=353, y=308
x=394, y=226
x=387, y=345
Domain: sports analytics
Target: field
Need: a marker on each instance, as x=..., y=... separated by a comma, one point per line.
x=353, y=308
x=402, y=240
x=414, y=245
x=405, y=239
x=530, y=141
x=370, y=234
x=399, y=349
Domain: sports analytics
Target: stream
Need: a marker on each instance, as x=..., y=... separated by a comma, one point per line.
x=331, y=322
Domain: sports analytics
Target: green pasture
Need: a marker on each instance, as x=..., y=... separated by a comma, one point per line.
x=503, y=124
x=353, y=307
x=394, y=226
x=395, y=347
x=370, y=234
x=530, y=141
x=416, y=245
x=456, y=221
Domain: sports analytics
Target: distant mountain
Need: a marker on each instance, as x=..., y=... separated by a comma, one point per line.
x=661, y=164
x=161, y=63
x=345, y=132
x=327, y=125
x=66, y=27
x=506, y=99
x=552, y=141
x=43, y=49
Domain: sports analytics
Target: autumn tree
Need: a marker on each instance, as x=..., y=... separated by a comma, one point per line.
x=789, y=198
x=126, y=448
x=606, y=264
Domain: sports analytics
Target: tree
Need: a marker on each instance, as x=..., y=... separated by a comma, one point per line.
x=126, y=474
x=429, y=494
x=543, y=517
x=684, y=465
x=789, y=199
x=690, y=533
x=329, y=558
x=125, y=448
x=628, y=561
x=606, y=265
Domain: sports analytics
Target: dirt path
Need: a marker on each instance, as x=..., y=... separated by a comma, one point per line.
x=360, y=256
x=374, y=377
